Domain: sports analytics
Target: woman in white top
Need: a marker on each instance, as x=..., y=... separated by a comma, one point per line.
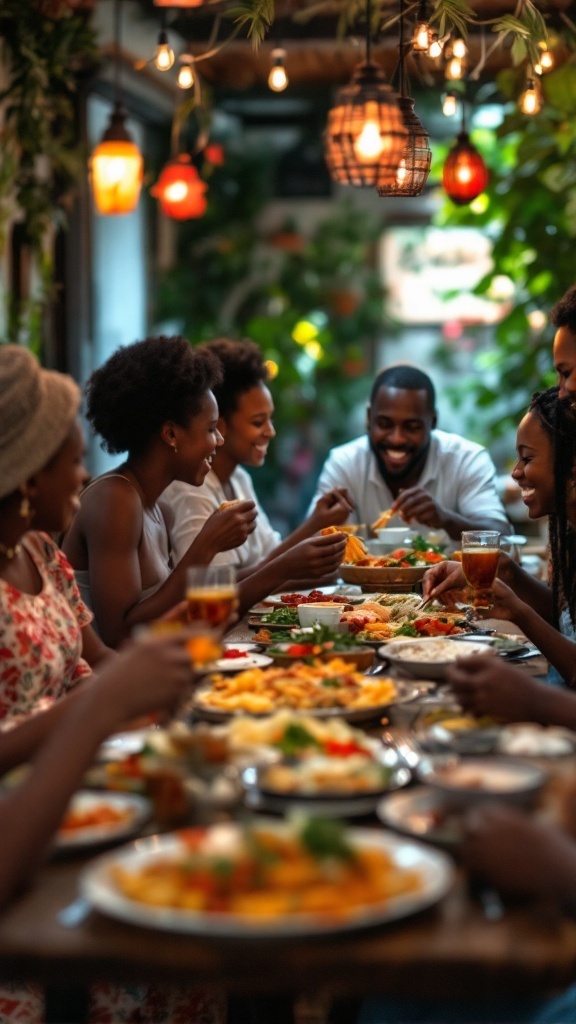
x=245, y=409
x=153, y=400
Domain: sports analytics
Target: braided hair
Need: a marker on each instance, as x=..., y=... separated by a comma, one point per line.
x=557, y=419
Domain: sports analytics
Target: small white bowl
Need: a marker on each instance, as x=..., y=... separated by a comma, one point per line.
x=391, y=537
x=327, y=613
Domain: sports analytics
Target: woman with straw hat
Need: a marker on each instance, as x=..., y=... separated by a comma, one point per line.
x=46, y=643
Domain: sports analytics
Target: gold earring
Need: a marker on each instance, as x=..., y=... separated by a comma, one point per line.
x=25, y=511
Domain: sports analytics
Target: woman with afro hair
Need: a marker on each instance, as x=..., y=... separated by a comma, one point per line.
x=246, y=409
x=153, y=400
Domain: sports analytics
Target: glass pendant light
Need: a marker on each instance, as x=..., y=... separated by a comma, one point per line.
x=465, y=174
x=116, y=165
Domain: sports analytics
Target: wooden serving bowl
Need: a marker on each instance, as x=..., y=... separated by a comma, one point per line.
x=361, y=658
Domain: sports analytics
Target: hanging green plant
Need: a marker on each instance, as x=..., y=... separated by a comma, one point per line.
x=45, y=47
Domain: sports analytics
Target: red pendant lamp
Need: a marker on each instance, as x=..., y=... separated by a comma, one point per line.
x=465, y=174
x=180, y=189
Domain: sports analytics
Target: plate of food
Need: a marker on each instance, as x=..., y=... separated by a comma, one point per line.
x=93, y=818
x=465, y=781
x=430, y=657
x=283, y=879
x=321, y=642
x=322, y=688
x=333, y=785
x=297, y=597
x=420, y=813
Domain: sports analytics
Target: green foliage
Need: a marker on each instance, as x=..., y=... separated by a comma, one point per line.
x=530, y=213
x=322, y=289
x=43, y=55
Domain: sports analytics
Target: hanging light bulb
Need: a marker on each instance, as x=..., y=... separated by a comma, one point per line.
x=450, y=104
x=459, y=48
x=465, y=174
x=186, y=72
x=164, y=55
x=435, y=49
x=546, y=61
x=116, y=165
x=530, y=101
x=180, y=189
x=422, y=32
x=278, y=79
x=455, y=69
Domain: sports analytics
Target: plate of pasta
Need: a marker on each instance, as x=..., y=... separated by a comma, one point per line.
x=265, y=879
x=321, y=688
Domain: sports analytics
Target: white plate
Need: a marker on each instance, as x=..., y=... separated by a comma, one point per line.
x=84, y=800
x=404, y=692
x=239, y=664
x=244, y=647
x=96, y=885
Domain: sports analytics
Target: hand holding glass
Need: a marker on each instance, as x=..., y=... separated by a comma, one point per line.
x=480, y=552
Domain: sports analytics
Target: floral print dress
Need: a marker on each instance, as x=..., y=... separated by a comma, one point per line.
x=40, y=635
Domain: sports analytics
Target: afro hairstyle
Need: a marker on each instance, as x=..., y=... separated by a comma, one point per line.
x=243, y=368
x=144, y=385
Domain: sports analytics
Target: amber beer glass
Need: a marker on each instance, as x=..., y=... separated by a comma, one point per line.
x=480, y=552
x=211, y=594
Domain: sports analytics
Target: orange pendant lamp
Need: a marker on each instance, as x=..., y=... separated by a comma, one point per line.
x=180, y=189
x=465, y=174
x=116, y=165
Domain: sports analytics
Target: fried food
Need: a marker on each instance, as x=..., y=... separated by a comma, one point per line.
x=383, y=520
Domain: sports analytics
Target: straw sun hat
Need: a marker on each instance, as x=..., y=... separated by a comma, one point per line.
x=37, y=409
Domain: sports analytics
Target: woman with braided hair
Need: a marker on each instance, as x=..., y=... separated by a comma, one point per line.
x=546, y=445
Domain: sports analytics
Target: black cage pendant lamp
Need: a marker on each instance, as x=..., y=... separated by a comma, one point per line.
x=412, y=172
x=365, y=134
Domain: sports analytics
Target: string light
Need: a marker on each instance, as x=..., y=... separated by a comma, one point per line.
x=186, y=72
x=423, y=34
x=459, y=48
x=436, y=48
x=530, y=101
x=546, y=61
x=164, y=55
x=278, y=79
x=450, y=104
x=455, y=69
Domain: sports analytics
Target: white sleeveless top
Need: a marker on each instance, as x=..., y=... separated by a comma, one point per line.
x=155, y=544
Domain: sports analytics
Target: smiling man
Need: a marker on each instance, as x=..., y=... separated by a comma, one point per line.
x=426, y=476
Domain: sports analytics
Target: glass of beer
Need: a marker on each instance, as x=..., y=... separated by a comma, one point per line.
x=211, y=594
x=480, y=552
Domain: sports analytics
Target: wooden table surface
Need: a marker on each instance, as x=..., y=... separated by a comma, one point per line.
x=449, y=949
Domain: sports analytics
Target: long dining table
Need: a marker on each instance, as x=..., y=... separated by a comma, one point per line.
x=455, y=948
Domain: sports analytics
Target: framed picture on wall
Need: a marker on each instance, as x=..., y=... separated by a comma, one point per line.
x=429, y=274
